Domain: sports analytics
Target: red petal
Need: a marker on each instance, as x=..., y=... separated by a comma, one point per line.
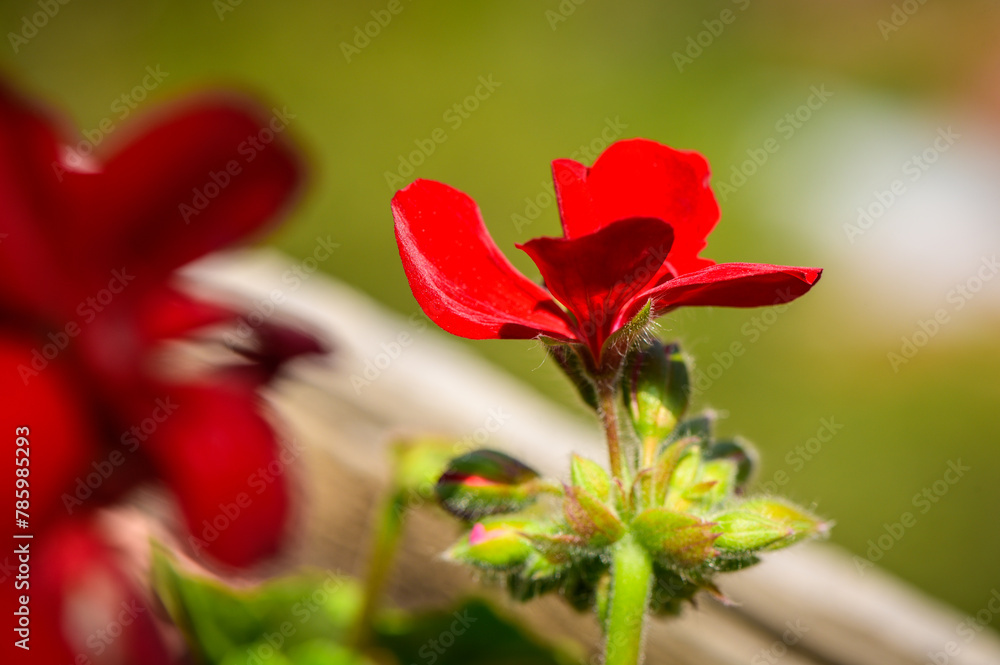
x=730, y=285
x=596, y=275
x=43, y=397
x=459, y=276
x=33, y=268
x=641, y=178
x=222, y=461
x=168, y=313
x=199, y=179
x=90, y=607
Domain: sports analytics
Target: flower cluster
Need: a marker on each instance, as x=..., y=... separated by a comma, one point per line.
x=688, y=508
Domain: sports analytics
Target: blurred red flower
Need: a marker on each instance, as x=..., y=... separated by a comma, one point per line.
x=633, y=226
x=88, y=299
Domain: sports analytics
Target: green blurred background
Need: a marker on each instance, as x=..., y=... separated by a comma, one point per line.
x=718, y=77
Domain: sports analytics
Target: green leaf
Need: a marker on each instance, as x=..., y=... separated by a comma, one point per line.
x=472, y=632
x=218, y=620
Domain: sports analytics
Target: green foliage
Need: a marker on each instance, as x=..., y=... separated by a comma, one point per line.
x=305, y=619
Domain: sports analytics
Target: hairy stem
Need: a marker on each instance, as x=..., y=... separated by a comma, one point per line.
x=606, y=397
x=631, y=579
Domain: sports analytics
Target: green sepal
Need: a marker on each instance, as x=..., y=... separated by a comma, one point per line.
x=667, y=462
x=556, y=547
x=716, y=481
x=620, y=341
x=670, y=590
x=568, y=359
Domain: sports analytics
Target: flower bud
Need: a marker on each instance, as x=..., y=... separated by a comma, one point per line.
x=486, y=482
x=681, y=539
x=766, y=524
x=495, y=546
x=591, y=519
x=656, y=390
x=742, y=453
x=803, y=523
x=744, y=531
x=589, y=475
x=700, y=427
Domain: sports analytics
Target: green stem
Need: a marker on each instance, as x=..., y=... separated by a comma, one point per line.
x=606, y=396
x=631, y=579
x=385, y=541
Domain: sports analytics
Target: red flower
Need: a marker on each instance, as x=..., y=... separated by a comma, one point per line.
x=88, y=298
x=633, y=226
